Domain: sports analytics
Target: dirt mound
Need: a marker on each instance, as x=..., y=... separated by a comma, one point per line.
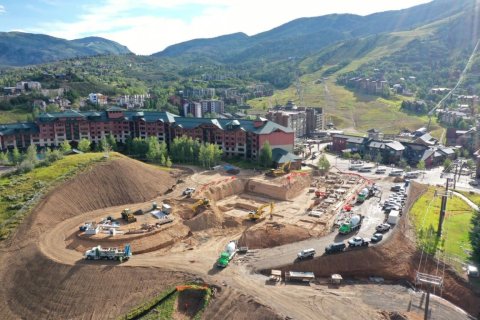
x=231, y=304
x=226, y=189
x=35, y=287
x=38, y=288
x=271, y=235
x=284, y=188
x=116, y=182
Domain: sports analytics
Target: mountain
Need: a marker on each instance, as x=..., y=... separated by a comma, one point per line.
x=302, y=37
x=20, y=49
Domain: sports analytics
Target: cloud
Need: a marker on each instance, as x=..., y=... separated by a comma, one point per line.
x=2, y=9
x=148, y=26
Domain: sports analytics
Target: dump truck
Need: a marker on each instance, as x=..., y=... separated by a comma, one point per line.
x=227, y=254
x=99, y=253
x=128, y=216
x=352, y=224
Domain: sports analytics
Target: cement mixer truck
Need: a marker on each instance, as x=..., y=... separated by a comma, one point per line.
x=352, y=224
x=362, y=195
x=227, y=254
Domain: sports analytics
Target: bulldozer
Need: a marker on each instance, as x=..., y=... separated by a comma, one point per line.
x=128, y=216
x=200, y=203
x=280, y=171
x=260, y=211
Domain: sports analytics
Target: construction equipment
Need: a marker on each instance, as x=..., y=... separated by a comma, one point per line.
x=128, y=216
x=280, y=171
x=352, y=224
x=200, y=203
x=228, y=254
x=98, y=253
x=259, y=212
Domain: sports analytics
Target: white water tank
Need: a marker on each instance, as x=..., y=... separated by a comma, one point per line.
x=231, y=247
x=354, y=220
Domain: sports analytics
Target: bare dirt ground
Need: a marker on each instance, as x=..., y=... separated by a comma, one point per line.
x=44, y=276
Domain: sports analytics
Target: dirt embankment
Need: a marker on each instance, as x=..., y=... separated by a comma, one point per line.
x=35, y=287
x=284, y=188
x=396, y=259
x=271, y=235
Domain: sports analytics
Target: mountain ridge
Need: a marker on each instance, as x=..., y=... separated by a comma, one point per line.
x=21, y=49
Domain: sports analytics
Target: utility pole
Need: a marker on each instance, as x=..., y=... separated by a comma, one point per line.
x=430, y=281
x=443, y=210
x=427, y=302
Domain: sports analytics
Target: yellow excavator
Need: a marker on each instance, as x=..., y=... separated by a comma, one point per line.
x=202, y=202
x=280, y=171
x=260, y=211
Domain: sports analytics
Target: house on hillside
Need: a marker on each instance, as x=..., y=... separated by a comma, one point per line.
x=426, y=139
x=354, y=144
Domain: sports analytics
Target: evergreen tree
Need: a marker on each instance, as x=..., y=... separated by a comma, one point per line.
x=266, y=155
x=84, y=145
x=323, y=164
x=65, y=147
x=31, y=154
x=4, y=158
x=16, y=156
x=421, y=165
x=168, y=162
x=112, y=142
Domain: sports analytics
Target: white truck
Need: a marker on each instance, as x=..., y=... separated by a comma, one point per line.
x=307, y=253
x=358, y=242
x=393, y=217
x=99, y=253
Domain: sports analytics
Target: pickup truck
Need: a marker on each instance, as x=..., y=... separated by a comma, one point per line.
x=358, y=242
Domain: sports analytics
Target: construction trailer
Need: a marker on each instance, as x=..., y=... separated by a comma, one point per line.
x=99, y=253
x=260, y=211
x=299, y=276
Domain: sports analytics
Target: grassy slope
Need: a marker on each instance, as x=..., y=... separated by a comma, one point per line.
x=15, y=190
x=13, y=116
x=353, y=111
x=456, y=226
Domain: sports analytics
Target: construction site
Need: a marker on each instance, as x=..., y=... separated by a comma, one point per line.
x=162, y=229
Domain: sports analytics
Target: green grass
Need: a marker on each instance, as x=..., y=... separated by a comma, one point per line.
x=162, y=306
x=425, y=214
x=13, y=116
x=354, y=112
x=163, y=311
x=20, y=192
x=474, y=197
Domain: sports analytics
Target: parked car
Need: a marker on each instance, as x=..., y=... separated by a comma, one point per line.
x=358, y=242
x=384, y=227
x=377, y=237
x=472, y=271
x=396, y=188
x=307, y=253
x=335, y=247
x=188, y=191
x=473, y=183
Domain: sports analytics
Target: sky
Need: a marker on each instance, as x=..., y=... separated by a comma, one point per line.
x=149, y=26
